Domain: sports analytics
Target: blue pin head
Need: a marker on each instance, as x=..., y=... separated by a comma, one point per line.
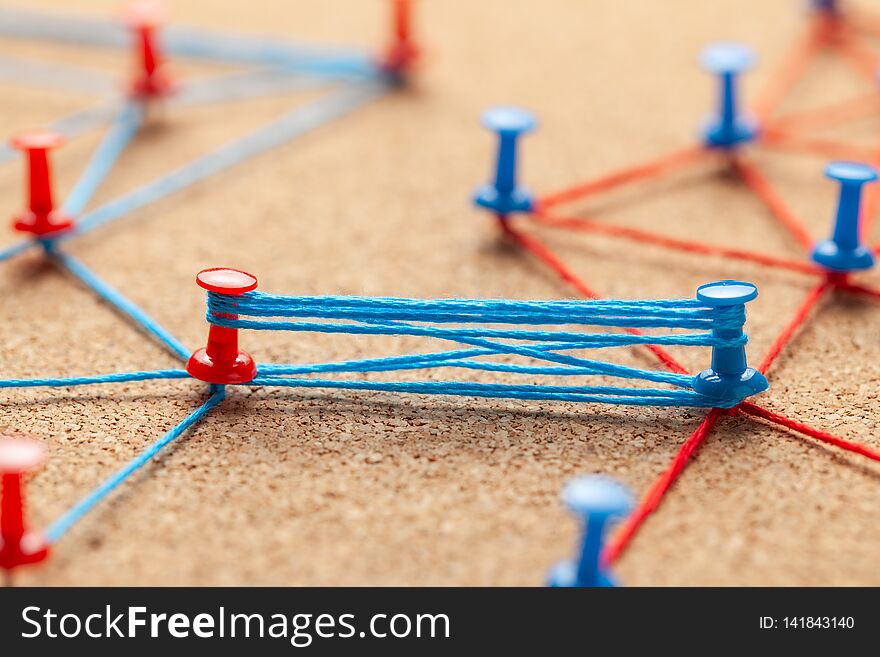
x=844, y=252
x=728, y=128
x=727, y=58
x=730, y=379
x=503, y=195
x=595, y=500
x=727, y=293
x=508, y=120
x=597, y=496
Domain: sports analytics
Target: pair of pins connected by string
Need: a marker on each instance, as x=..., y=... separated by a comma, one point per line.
x=149, y=83
x=41, y=218
x=726, y=131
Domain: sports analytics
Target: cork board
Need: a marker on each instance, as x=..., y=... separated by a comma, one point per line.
x=326, y=488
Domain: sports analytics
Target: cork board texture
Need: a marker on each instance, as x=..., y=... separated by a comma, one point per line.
x=290, y=487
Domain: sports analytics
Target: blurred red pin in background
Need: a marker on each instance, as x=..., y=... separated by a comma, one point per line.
x=18, y=546
x=144, y=17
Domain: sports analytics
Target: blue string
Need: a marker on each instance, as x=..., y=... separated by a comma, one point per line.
x=118, y=377
x=17, y=247
x=187, y=42
x=384, y=316
x=68, y=126
x=291, y=125
x=122, y=304
x=60, y=527
x=120, y=134
x=660, y=313
x=586, y=394
x=578, y=340
x=458, y=358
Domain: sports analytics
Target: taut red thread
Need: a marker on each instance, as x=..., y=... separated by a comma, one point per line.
x=800, y=316
x=823, y=436
x=658, y=489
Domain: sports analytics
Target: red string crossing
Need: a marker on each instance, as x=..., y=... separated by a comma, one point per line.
x=787, y=133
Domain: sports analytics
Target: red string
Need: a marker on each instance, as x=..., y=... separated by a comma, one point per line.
x=777, y=135
x=541, y=251
x=637, y=235
x=859, y=289
x=790, y=71
x=537, y=248
x=800, y=316
x=775, y=418
x=859, y=55
x=765, y=191
x=658, y=489
x=854, y=109
x=652, y=169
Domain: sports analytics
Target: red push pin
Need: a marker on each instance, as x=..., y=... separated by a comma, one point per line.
x=221, y=361
x=41, y=217
x=18, y=547
x=401, y=53
x=143, y=18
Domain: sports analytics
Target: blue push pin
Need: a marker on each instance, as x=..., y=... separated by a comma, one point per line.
x=729, y=128
x=843, y=252
x=503, y=195
x=597, y=500
x=828, y=7
x=730, y=376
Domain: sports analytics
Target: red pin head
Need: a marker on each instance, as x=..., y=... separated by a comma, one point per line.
x=40, y=217
x=18, y=547
x=402, y=51
x=221, y=361
x=144, y=17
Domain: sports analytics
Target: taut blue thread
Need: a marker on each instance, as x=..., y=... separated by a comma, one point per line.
x=289, y=126
x=120, y=134
x=661, y=313
x=396, y=316
x=58, y=528
x=17, y=247
x=594, y=394
x=69, y=126
x=117, y=377
x=459, y=358
x=186, y=42
x=122, y=304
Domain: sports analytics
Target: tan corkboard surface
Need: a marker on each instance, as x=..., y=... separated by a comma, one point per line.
x=322, y=488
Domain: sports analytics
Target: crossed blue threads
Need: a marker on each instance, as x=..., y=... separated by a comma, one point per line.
x=282, y=61
x=125, y=127
x=594, y=394
x=461, y=358
x=661, y=313
x=60, y=527
x=291, y=125
x=396, y=317
x=69, y=126
x=379, y=316
x=187, y=42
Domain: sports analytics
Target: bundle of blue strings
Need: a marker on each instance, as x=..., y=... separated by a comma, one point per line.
x=531, y=331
